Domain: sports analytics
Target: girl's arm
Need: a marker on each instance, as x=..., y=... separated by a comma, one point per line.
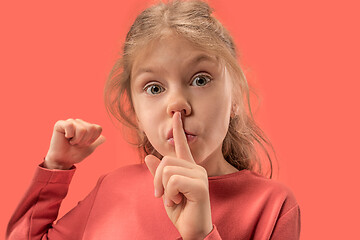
x=288, y=225
x=72, y=141
x=39, y=207
x=34, y=217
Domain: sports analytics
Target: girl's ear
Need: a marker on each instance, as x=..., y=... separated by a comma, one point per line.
x=234, y=110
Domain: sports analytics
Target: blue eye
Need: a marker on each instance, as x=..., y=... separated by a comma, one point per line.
x=201, y=80
x=154, y=89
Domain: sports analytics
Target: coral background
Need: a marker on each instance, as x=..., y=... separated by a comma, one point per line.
x=302, y=56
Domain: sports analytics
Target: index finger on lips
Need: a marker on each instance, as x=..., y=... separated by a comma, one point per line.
x=182, y=148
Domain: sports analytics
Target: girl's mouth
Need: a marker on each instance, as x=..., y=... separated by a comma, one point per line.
x=190, y=138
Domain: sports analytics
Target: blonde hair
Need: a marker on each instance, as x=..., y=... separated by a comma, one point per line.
x=193, y=21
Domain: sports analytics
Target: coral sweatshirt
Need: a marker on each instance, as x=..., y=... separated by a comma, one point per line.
x=244, y=205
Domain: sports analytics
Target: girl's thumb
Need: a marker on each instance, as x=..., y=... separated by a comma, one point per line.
x=100, y=140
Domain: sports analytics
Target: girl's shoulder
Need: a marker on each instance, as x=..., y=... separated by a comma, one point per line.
x=130, y=172
x=248, y=177
x=246, y=182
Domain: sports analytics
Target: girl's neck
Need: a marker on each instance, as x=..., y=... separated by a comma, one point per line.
x=216, y=165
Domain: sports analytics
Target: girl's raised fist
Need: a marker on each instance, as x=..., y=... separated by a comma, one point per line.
x=72, y=141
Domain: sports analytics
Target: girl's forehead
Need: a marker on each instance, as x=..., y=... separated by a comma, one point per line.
x=170, y=49
x=166, y=43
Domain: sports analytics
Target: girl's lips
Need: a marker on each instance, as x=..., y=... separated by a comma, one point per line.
x=170, y=134
x=190, y=138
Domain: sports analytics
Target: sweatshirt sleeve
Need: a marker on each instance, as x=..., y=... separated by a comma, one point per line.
x=39, y=207
x=213, y=235
x=34, y=217
x=288, y=225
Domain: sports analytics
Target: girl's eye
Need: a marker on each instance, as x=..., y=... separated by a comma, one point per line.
x=154, y=89
x=201, y=80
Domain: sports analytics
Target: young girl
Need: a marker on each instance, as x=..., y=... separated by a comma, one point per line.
x=178, y=85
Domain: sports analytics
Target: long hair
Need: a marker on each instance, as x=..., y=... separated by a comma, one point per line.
x=193, y=21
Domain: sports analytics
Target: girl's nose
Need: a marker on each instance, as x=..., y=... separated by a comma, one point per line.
x=178, y=103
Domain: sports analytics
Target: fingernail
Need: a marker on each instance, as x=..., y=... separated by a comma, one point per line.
x=156, y=193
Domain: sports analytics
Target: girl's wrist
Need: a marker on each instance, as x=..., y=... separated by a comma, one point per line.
x=208, y=231
x=53, y=165
x=203, y=234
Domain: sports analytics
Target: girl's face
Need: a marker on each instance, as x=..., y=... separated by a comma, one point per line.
x=172, y=75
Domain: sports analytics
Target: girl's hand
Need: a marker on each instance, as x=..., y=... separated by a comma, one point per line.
x=184, y=187
x=71, y=142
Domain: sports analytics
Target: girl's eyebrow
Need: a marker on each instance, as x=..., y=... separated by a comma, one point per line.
x=192, y=62
x=201, y=58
